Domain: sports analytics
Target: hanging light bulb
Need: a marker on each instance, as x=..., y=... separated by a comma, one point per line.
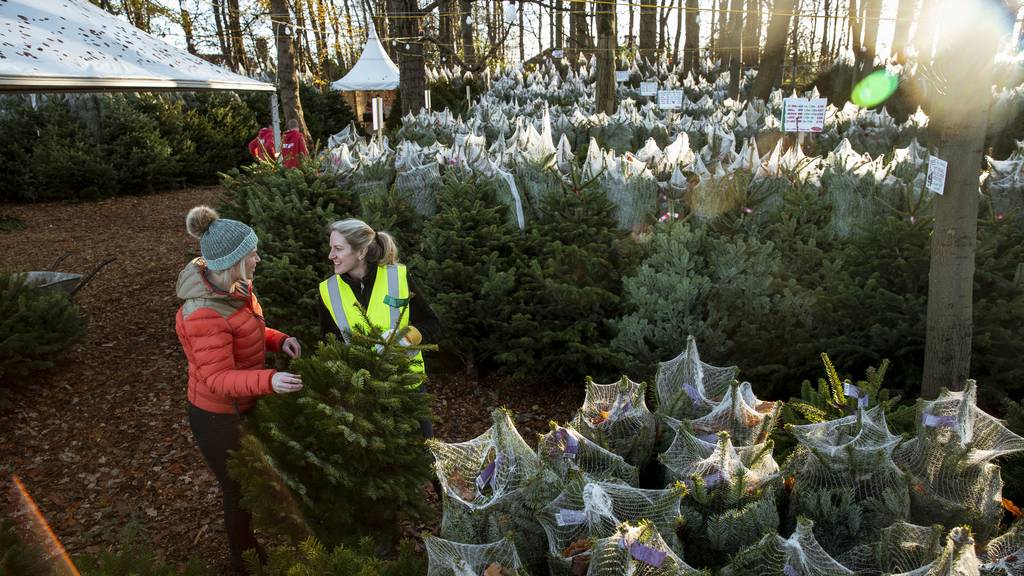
x=407, y=46
x=469, y=19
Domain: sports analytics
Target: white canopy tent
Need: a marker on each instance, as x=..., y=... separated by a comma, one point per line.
x=74, y=46
x=373, y=71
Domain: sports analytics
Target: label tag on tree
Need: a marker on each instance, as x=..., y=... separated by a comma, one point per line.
x=572, y=445
x=933, y=421
x=557, y=53
x=710, y=438
x=622, y=75
x=692, y=392
x=803, y=114
x=789, y=571
x=670, y=99
x=712, y=479
x=488, y=475
x=566, y=517
x=936, y=180
x=647, y=555
x=648, y=88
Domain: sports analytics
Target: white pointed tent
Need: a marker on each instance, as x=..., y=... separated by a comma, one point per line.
x=373, y=75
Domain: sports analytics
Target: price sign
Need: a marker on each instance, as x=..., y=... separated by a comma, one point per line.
x=936, y=180
x=803, y=114
x=670, y=99
x=622, y=75
x=648, y=88
x=557, y=53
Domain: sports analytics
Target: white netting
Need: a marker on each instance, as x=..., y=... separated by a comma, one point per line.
x=447, y=558
x=565, y=450
x=586, y=511
x=957, y=557
x=747, y=419
x=718, y=466
x=419, y=187
x=687, y=387
x=616, y=417
x=634, y=195
x=636, y=551
x=902, y=547
x=846, y=480
x=484, y=482
x=1005, y=554
x=798, y=555
x=949, y=458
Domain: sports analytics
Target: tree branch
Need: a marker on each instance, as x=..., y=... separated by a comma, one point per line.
x=481, y=62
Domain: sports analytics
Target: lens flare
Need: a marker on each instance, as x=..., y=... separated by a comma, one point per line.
x=876, y=88
x=55, y=551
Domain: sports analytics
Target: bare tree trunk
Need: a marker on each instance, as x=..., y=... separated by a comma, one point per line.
x=607, y=45
x=186, y=28
x=559, y=25
x=905, y=12
x=339, y=55
x=411, y=68
x=350, y=44
x=666, y=11
x=752, y=33
x=873, y=12
x=579, y=26
x=680, y=10
x=691, y=46
x=235, y=28
x=796, y=44
x=466, y=25
x=287, y=78
x=734, y=51
x=222, y=37
x=522, y=34
x=316, y=18
x=823, y=53
x=632, y=20
x=648, y=28
x=719, y=45
x=774, y=50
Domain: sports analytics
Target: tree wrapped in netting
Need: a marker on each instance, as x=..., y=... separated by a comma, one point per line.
x=949, y=461
x=956, y=559
x=565, y=451
x=447, y=558
x=732, y=492
x=587, y=511
x=343, y=458
x=616, y=417
x=902, y=547
x=487, y=484
x=720, y=195
x=853, y=199
x=747, y=419
x=798, y=555
x=846, y=480
x=688, y=388
x=1005, y=553
x=635, y=196
x=637, y=550
x=371, y=179
x=418, y=186
x=538, y=180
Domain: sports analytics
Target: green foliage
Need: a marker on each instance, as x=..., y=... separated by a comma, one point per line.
x=1013, y=466
x=310, y=558
x=17, y=559
x=325, y=112
x=37, y=327
x=132, y=142
x=135, y=556
x=343, y=458
x=290, y=211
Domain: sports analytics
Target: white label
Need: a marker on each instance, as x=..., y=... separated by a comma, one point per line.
x=936, y=180
x=376, y=110
x=851, y=390
x=803, y=115
x=557, y=53
x=670, y=99
x=570, y=517
x=648, y=88
x=426, y=99
x=622, y=75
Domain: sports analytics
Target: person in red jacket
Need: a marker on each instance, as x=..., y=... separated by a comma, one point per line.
x=221, y=328
x=262, y=146
x=293, y=145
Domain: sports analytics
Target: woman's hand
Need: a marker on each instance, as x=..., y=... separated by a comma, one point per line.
x=291, y=347
x=285, y=382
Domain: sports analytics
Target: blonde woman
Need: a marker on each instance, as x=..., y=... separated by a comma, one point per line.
x=221, y=328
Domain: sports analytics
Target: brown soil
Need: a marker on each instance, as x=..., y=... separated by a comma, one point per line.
x=103, y=439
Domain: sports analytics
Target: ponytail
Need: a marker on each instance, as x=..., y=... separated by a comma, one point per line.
x=383, y=250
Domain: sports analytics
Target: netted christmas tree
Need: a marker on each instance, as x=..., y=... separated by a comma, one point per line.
x=638, y=550
x=419, y=186
x=798, y=555
x=489, y=485
x=447, y=558
x=688, y=388
x=343, y=458
x=950, y=462
x=587, y=511
x=733, y=492
x=747, y=419
x=565, y=451
x=616, y=417
x=956, y=559
x=902, y=547
x=1004, y=554
x=845, y=479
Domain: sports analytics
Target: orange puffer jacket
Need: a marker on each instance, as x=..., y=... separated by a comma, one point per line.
x=225, y=340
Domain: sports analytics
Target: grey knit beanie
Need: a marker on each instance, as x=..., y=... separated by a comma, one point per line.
x=222, y=242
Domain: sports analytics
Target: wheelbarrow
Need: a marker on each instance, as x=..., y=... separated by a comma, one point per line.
x=63, y=281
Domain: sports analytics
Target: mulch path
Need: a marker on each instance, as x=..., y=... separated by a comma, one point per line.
x=103, y=439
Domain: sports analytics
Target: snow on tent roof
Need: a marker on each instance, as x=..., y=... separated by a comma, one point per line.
x=373, y=71
x=58, y=45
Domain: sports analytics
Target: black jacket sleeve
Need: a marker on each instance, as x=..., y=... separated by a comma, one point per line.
x=422, y=316
x=327, y=325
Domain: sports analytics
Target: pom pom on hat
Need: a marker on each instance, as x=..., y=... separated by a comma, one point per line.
x=199, y=219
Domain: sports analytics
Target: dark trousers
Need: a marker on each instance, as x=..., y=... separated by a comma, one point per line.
x=426, y=426
x=216, y=434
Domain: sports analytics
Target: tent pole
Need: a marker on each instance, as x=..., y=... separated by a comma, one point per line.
x=276, y=122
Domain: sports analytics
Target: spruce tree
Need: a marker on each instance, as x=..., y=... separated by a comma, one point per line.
x=344, y=458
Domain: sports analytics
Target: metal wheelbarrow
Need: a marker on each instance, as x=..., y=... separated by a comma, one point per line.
x=63, y=281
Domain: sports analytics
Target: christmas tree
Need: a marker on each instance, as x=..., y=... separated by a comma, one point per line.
x=615, y=416
x=637, y=549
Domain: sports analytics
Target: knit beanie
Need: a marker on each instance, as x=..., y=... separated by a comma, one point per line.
x=222, y=242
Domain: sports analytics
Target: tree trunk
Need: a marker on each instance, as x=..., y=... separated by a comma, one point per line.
x=796, y=44
x=648, y=28
x=734, y=49
x=873, y=12
x=722, y=30
x=522, y=34
x=607, y=46
x=186, y=28
x=823, y=53
x=905, y=12
x=679, y=32
x=287, y=78
x=466, y=25
x=856, y=33
x=632, y=21
x=666, y=11
x=222, y=37
x=752, y=33
x=959, y=115
x=691, y=46
x=579, y=26
x=316, y=18
x=559, y=25
x=235, y=29
x=774, y=50
x=351, y=34
x=412, y=71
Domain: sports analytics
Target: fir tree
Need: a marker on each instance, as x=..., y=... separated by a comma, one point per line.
x=344, y=458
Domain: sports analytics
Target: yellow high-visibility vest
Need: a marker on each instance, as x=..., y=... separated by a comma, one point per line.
x=389, y=296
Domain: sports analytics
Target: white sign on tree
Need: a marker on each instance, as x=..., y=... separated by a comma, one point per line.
x=622, y=75
x=803, y=114
x=936, y=180
x=557, y=53
x=648, y=88
x=670, y=99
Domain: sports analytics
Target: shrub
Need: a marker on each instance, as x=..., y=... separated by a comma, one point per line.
x=132, y=142
x=66, y=159
x=37, y=327
x=311, y=557
x=135, y=556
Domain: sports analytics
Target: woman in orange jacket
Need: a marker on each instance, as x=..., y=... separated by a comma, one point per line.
x=221, y=328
